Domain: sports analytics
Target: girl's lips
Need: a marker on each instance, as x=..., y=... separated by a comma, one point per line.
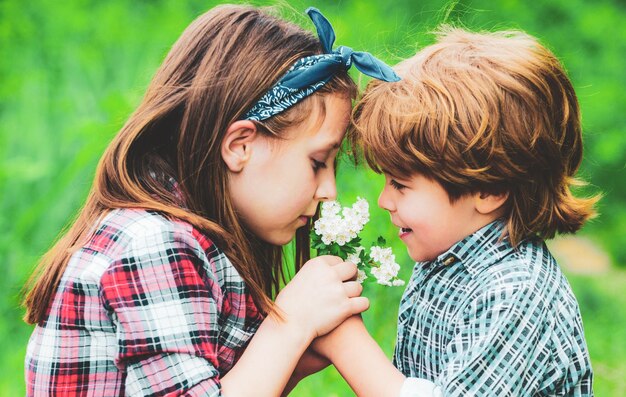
x=304, y=219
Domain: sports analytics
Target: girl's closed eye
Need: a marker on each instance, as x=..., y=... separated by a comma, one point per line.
x=317, y=165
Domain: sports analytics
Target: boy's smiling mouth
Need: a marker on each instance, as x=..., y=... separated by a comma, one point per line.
x=404, y=231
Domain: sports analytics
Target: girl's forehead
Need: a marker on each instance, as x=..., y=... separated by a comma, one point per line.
x=325, y=127
x=316, y=139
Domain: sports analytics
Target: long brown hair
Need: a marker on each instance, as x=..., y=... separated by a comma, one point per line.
x=225, y=60
x=484, y=112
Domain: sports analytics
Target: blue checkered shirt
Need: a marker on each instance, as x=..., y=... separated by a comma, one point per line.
x=485, y=319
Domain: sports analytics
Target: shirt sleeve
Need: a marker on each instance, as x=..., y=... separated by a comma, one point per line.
x=417, y=387
x=163, y=298
x=500, y=346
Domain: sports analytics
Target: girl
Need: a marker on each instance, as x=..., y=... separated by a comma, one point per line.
x=167, y=273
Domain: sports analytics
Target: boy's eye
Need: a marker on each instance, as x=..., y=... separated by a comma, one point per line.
x=394, y=184
x=317, y=165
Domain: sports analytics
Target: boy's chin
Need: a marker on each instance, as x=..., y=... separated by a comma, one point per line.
x=420, y=256
x=417, y=257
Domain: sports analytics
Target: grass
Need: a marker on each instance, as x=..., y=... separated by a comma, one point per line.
x=72, y=73
x=602, y=302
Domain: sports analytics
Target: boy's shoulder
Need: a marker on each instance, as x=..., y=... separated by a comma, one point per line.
x=526, y=276
x=526, y=265
x=494, y=266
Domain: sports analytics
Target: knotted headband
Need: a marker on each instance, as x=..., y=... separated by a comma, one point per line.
x=310, y=73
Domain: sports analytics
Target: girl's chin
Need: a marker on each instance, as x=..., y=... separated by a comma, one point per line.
x=280, y=238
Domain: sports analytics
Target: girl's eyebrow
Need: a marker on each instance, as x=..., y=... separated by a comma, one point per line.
x=333, y=145
x=328, y=148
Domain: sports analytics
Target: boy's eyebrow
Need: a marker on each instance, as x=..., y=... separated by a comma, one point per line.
x=394, y=175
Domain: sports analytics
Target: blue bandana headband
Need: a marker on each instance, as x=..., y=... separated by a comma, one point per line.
x=309, y=74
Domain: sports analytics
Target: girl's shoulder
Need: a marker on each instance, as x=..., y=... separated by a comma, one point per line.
x=134, y=229
x=139, y=220
x=148, y=241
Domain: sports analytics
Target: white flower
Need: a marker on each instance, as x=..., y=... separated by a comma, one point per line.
x=354, y=219
x=341, y=225
x=361, y=276
x=333, y=228
x=330, y=209
x=354, y=257
x=387, y=272
x=382, y=277
x=382, y=255
x=387, y=275
x=342, y=238
x=361, y=205
x=391, y=268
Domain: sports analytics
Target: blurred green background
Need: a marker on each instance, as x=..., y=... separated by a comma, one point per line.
x=71, y=72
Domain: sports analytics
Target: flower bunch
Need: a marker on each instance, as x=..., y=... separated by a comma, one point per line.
x=336, y=232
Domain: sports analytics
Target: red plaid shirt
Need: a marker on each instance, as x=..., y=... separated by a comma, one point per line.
x=148, y=306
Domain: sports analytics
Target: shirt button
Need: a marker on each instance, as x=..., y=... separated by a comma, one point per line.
x=449, y=260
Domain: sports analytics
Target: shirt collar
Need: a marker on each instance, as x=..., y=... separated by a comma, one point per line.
x=480, y=249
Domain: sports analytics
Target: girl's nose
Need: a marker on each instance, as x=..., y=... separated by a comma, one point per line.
x=327, y=189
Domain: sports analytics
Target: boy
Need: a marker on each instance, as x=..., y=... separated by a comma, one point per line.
x=479, y=144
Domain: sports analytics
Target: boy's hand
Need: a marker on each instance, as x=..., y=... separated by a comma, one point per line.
x=309, y=363
x=360, y=360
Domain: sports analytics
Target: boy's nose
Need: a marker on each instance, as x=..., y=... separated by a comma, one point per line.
x=384, y=201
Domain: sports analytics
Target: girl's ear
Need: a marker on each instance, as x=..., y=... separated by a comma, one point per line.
x=488, y=203
x=236, y=148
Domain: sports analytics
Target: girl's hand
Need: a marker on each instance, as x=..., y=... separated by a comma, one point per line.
x=321, y=295
x=335, y=342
